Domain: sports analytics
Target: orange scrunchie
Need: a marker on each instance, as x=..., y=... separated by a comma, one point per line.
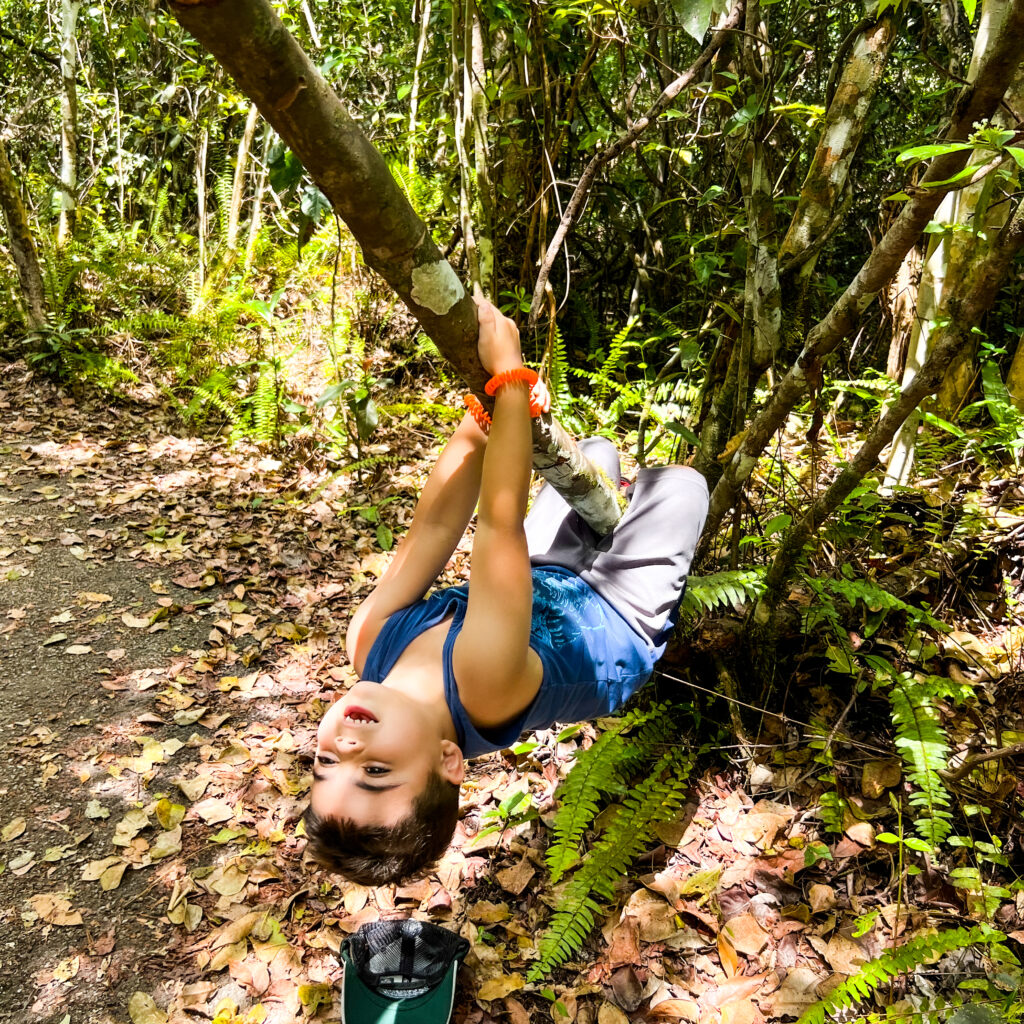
x=540, y=397
x=499, y=380
x=478, y=412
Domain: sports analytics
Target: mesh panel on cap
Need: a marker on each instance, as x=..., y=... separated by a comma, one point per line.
x=404, y=959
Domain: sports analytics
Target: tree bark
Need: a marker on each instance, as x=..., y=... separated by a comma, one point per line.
x=23, y=247
x=238, y=185
x=1015, y=377
x=68, y=122
x=201, y=150
x=770, y=267
x=975, y=103
x=414, y=94
x=841, y=133
x=974, y=220
x=247, y=38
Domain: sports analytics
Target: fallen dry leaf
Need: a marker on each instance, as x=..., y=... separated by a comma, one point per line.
x=55, y=910
x=142, y=1009
x=878, y=776
x=12, y=830
x=798, y=991
x=498, y=988
x=676, y=1009
x=486, y=912
x=745, y=934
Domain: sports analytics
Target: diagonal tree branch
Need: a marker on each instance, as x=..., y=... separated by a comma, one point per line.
x=248, y=39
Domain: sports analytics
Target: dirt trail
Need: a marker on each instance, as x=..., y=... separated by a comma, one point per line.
x=134, y=579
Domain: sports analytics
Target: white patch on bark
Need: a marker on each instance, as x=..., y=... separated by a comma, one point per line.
x=837, y=140
x=436, y=286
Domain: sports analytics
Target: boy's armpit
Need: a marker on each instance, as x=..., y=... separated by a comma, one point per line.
x=491, y=704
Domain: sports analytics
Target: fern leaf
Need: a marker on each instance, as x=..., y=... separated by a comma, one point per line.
x=657, y=798
x=732, y=586
x=923, y=949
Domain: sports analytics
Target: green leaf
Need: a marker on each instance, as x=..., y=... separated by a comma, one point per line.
x=931, y=150
x=314, y=204
x=384, y=537
x=970, y=6
x=695, y=16
x=365, y=411
x=285, y=169
x=938, y=421
x=913, y=843
x=675, y=427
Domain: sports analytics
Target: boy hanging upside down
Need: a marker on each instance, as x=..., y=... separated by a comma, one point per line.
x=557, y=625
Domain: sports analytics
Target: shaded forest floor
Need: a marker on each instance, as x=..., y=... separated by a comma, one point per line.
x=172, y=612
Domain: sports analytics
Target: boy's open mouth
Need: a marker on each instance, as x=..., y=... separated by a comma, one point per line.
x=358, y=715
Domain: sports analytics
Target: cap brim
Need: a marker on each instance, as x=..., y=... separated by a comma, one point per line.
x=360, y=1005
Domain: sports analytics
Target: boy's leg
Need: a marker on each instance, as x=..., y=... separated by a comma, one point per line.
x=555, y=534
x=642, y=565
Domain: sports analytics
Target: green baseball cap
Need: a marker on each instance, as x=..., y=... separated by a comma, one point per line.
x=400, y=971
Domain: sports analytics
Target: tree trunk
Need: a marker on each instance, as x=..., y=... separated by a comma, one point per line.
x=974, y=103
x=23, y=248
x=841, y=133
x=812, y=222
x=256, y=217
x=483, y=206
x=248, y=39
x=971, y=206
x=201, y=151
x=414, y=94
x=901, y=298
x=1015, y=378
x=238, y=186
x=68, y=121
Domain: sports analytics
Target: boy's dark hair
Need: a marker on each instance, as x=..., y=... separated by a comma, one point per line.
x=380, y=854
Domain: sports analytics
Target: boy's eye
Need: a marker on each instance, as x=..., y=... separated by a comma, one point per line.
x=325, y=759
x=376, y=769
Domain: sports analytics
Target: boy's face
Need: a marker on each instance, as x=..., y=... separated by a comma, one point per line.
x=375, y=750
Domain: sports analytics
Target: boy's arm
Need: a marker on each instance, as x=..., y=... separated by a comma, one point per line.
x=497, y=673
x=442, y=514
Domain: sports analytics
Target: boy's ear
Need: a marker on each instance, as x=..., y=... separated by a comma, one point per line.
x=453, y=767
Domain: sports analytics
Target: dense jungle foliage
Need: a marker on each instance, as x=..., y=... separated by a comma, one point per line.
x=795, y=266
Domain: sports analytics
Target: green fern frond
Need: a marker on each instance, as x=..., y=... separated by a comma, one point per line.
x=264, y=403
x=223, y=186
x=922, y=742
x=558, y=374
x=654, y=800
x=924, y=949
x=612, y=361
x=600, y=769
x=730, y=587
x=217, y=391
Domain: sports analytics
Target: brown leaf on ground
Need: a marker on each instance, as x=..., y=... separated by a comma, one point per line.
x=798, y=991
x=498, y=988
x=516, y=878
x=55, y=910
x=878, y=776
x=676, y=1009
x=745, y=934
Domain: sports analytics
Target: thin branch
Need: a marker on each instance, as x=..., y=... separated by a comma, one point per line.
x=34, y=50
x=972, y=762
x=623, y=142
